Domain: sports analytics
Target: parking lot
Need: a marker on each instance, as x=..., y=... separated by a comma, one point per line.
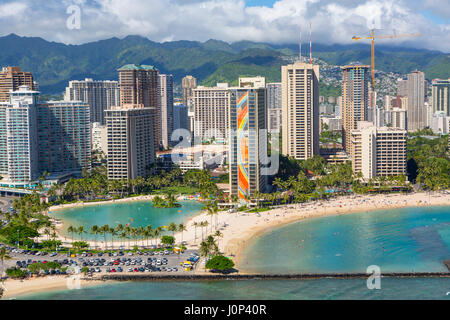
x=104, y=263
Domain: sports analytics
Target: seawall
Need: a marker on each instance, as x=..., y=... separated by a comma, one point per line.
x=204, y=277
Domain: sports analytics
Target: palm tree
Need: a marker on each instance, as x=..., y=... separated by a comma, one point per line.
x=104, y=230
x=47, y=232
x=95, y=231
x=204, y=250
x=80, y=232
x=135, y=234
x=210, y=213
x=71, y=230
x=215, y=211
x=182, y=228
x=3, y=256
x=127, y=231
x=195, y=230
x=113, y=233
x=172, y=228
x=148, y=232
x=204, y=224
x=212, y=245
x=119, y=230
x=157, y=233
x=123, y=235
x=218, y=235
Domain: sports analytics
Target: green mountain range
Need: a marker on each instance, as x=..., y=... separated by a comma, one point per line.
x=54, y=64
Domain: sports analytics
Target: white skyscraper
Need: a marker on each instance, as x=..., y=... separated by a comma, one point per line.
x=166, y=108
x=416, y=100
x=99, y=95
x=300, y=110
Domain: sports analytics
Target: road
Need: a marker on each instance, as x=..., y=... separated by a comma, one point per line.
x=6, y=203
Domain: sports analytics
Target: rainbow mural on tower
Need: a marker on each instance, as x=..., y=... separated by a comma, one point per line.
x=242, y=144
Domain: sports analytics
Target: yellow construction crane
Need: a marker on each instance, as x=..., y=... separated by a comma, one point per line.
x=373, y=37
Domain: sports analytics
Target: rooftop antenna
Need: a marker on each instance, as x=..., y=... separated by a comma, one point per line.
x=300, y=45
x=310, y=43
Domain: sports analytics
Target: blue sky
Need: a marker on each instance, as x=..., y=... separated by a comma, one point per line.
x=267, y=3
x=333, y=21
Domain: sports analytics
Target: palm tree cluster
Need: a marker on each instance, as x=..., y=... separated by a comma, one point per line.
x=95, y=184
x=209, y=248
x=126, y=234
x=429, y=160
x=338, y=177
x=169, y=201
x=201, y=179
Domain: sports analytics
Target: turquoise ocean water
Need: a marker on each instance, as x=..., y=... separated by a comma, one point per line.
x=400, y=240
x=140, y=213
x=328, y=289
x=410, y=239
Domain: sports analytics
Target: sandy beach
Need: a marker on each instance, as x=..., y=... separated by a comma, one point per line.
x=240, y=228
x=14, y=288
x=84, y=204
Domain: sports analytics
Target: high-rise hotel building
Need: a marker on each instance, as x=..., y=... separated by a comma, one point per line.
x=188, y=83
x=355, y=100
x=300, y=110
x=441, y=96
x=166, y=108
x=37, y=137
x=416, y=114
x=139, y=85
x=274, y=107
x=211, y=110
x=64, y=135
x=247, y=145
x=378, y=151
x=11, y=78
x=99, y=95
x=19, y=146
x=131, y=142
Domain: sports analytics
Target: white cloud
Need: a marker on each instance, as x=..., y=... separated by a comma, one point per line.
x=12, y=9
x=229, y=20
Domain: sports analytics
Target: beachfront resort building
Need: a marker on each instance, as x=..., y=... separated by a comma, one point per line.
x=211, y=109
x=139, y=86
x=11, y=79
x=18, y=138
x=36, y=137
x=416, y=115
x=378, y=151
x=166, y=108
x=355, y=100
x=99, y=95
x=131, y=144
x=300, y=110
x=247, y=144
x=99, y=138
x=441, y=96
x=64, y=133
x=188, y=83
x=274, y=107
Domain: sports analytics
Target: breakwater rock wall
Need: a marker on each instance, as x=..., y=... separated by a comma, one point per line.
x=204, y=277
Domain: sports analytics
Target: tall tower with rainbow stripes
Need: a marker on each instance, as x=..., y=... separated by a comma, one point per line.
x=248, y=146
